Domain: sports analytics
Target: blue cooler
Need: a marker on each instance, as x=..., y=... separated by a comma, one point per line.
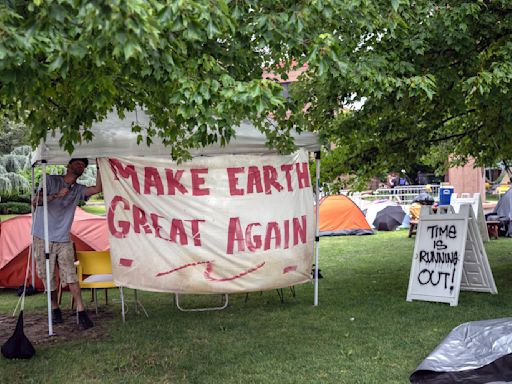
x=445, y=194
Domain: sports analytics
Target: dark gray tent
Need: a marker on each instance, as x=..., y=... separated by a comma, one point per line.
x=424, y=199
x=503, y=213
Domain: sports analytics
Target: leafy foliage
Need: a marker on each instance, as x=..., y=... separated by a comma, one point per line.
x=16, y=173
x=13, y=166
x=66, y=64
x=89, y=176
x=15, y=163
x=434, y=80
x=13, y=183
x=11, y=207
x=15, y=198
x=13, y=135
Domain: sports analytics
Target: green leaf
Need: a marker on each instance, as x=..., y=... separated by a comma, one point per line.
x=56, y=64
x=211, y=30
x=130, y=49
x=3, y=51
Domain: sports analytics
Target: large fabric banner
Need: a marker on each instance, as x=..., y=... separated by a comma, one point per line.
x=221, y=224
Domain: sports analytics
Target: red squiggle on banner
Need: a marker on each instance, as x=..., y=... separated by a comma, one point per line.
x=290, y=268
x=183, y=267
x=209, y=269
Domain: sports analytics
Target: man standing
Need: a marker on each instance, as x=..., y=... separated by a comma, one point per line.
x=63, y=195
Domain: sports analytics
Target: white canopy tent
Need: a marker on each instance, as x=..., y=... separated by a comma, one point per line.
x=113, y=137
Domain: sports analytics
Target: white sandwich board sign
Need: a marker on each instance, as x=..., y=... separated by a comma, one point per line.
x=449, y=255
x=476, y=202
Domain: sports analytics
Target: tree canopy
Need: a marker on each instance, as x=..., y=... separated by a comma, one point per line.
x=191, y=64
x=434, y=77
x=435, y=83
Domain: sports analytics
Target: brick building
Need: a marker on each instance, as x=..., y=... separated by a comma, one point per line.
x=467, y=179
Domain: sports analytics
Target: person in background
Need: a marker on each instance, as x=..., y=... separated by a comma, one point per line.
x=424, y=198
x=392, y=180
x=63, y=195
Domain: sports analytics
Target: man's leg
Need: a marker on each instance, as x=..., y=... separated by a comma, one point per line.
x=75, y=290
x=55, y=299
x=67, y=270
x=56, y=312
x=83, y=319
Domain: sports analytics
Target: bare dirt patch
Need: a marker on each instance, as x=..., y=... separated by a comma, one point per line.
x=36, y=327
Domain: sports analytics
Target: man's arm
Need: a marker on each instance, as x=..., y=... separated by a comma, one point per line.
x=38, y=199
x=89, y=191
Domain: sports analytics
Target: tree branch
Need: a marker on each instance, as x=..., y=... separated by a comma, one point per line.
x=444, y=121
x=453, y=136
x=55, y=104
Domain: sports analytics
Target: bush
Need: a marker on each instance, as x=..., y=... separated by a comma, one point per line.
x=15, y=208
x=15, y=198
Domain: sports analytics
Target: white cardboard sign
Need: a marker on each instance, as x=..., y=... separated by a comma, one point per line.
x=439, y=267
x=476, y=273
x=476, y=202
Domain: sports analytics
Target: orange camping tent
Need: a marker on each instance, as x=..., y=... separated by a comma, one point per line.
x=340, y=216
x=88, y=232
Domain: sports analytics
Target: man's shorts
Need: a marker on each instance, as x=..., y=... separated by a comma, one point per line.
x=62, y=254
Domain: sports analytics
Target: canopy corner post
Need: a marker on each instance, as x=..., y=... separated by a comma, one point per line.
x=33, y=192
x=47, y=247
x=317, y=231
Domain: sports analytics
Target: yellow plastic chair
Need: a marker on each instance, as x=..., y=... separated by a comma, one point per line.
x=94, y=271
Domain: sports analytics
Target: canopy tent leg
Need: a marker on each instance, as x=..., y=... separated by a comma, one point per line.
x=138, y=304
x=47, y=250
x=317, y=214
x=31, y=255
x=121, y=293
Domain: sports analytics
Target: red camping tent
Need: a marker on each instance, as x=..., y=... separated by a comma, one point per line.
x=88, y=232
x=341, y=216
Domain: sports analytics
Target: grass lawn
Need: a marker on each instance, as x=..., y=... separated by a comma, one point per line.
x=363, y=330
x=492, y=198
x=5, y=217
x=94, y=209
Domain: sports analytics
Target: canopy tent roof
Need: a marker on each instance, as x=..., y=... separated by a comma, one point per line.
x=113, y=137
